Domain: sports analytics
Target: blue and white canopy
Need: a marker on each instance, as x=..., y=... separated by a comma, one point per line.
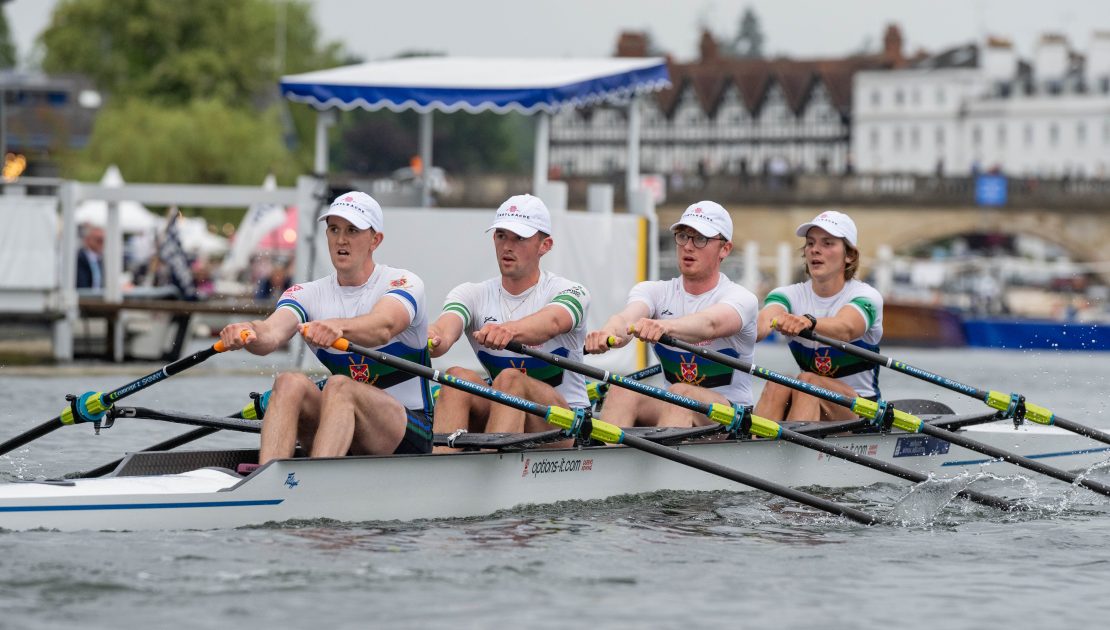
x=474, y=85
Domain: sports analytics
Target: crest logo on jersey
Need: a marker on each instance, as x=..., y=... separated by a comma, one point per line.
x=360, y=372
x=400, y=282
x=823, y=363
x=292, y=289
x=688, y=371
x=520, y=368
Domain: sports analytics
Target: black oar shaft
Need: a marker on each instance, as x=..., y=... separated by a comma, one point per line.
x=784, y=433
x=609, y=433
x=1043, y=416
x=748, y=480
x=106, y=400
x=921, y=427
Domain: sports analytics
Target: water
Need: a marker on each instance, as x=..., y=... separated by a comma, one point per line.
x=663, y=560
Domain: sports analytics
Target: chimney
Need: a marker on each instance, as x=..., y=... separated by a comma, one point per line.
x=632, y=44
x=1098, y=57
x=999, y=61
x=708, y=46
x=892, y=46
x=1050, y=60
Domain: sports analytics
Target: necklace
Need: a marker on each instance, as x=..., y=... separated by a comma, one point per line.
x=521, y=300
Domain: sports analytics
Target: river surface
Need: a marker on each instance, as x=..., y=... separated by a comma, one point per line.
x=667, y=560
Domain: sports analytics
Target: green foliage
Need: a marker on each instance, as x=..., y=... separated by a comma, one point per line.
x=177, y=51
x=202, y=141
x=8, y=52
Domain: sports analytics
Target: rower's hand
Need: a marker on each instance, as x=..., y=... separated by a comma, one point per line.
x=494, y=336
x=598, y=341
x=435, y=338
x=235, y=336
x=790, y=325
x=322, y=333
x=649, y=330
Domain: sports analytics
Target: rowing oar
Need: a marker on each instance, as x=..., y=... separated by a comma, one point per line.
x=91, y=406
x=574, y=422
x=1011, y=405
x=881, y=412
x=253, y=411
x=740, y=418
x=595, y=391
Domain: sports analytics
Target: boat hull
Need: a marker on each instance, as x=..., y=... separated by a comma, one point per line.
x=474, y=484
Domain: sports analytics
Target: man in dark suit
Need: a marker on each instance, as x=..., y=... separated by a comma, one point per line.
x=90, y=268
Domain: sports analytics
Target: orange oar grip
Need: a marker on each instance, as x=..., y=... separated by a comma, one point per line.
x=341, y=344
x=244, y=334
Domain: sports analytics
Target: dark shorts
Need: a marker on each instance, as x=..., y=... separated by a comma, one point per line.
x=418, y=434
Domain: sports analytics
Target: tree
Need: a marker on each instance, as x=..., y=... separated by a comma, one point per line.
x=173, y=52
x=749, y=38
x=192, y=86
x=8, y=53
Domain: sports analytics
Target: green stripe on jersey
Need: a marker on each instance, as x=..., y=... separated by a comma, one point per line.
x=868, y=309
x=775, y=297
x=572, y=304
x=297, y=310
x=460, y=309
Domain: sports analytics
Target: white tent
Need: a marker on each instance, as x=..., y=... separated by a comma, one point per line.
x=260, y=219
x=134, y=218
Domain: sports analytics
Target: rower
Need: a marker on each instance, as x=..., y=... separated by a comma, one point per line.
x=524, y=304
x=365, y=408
x=832, y=302
x=700, y=306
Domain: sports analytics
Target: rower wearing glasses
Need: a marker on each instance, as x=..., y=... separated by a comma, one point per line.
x=831, y=302
x=366, y=408
x=524, y=304
x=700, y=306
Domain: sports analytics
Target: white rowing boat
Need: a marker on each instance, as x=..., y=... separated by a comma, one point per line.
x=198, y=489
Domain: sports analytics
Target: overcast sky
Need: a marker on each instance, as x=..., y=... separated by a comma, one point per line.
x=376, y=29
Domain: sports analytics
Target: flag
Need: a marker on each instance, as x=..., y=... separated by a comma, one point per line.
x=173, y=257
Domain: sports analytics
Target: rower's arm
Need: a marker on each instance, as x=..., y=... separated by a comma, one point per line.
x=617, y=327
x=719, y=320
x=541, y=326
x=384, y=322
x=444, y=332
x=271, y=333
x=771, y=312
x=846, y=325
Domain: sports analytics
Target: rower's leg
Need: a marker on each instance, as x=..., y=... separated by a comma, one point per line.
x=774, y=402
x=626, y=408
x=456, y=409
x=358, y=418
x=294, y=406
x=688, y=418
x=830, y=411
x=504, y=419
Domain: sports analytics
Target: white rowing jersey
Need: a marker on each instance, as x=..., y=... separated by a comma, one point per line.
x=481, y=303
x=326, y=299
x=859, y=374
x=668, y=299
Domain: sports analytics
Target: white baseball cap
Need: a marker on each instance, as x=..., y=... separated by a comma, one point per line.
x=708, y=218
x=833, y=222
x=359, y=208
x=523, y=215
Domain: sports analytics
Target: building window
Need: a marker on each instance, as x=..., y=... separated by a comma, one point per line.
x=1054, y=134
x=875, y=139
x=915, y=137
x=1001, y=135
x=976, y=136
x=1028, y=135
x=1081, y=133
x=1106, y=132
x=940, y=136
x=940, y=96
x=915, y=96
x=876, y=98
x=897, y=138
x=899, y=97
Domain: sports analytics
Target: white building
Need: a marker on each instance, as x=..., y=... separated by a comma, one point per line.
x=726, y=115
x=981, y=107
